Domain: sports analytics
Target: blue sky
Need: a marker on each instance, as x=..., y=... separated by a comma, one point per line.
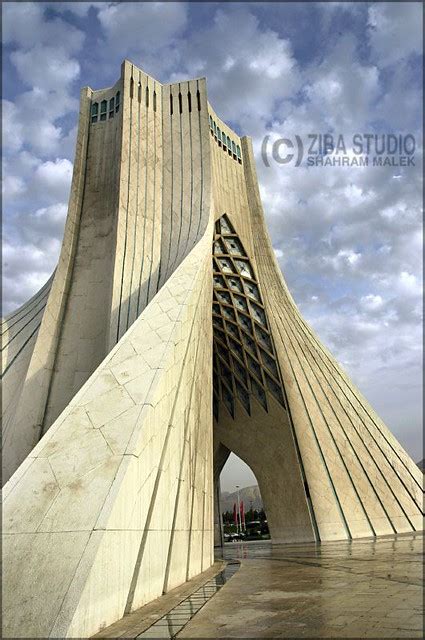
x=349, y=240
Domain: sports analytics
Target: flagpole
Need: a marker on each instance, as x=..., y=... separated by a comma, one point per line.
x=220, y=515
x=238, y=517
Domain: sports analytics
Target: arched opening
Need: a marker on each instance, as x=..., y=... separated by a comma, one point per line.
x=251, y=416
x=240, y=511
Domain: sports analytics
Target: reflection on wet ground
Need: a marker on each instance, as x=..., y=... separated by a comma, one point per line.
x=169, y=625
x=361, y=589
x=365, y=588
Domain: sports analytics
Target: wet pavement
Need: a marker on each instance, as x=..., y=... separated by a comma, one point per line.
x=173, y=622
x=363, y=589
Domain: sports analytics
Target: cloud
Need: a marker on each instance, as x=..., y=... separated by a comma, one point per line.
x=142, y=27
x=341, y=90
x=249, y=68
x=409, y=284
x=43, y=226
x=31, y=122
x=53, y=178
x=22, y=23
x=395, y=31
x=43, y=53
x=30, y=180
x=30, y=252
x=371, y=302
x=344, y=258
x=12, y=127
x=47, y=68
x=12, y=186
x=25, y=25
x=79, y=9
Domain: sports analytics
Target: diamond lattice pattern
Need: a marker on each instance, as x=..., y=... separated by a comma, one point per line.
x=244, y=360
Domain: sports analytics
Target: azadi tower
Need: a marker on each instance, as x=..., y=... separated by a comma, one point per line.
x=165, y=339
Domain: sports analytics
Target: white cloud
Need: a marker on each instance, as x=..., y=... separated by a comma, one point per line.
x=12, y=186
x=44, y=226
x=344, y=258
x=248, y=68
x=146, y=26
x=22, y=23
x=30, y=252
x=43, y=54
x=54, y=179
x=47, y=68
x=25, y=24
x=12, y=127
x=341, y=90
x=409, y=284
x=371, y=302
x=395, y=30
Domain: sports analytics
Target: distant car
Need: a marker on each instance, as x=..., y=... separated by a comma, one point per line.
x=233, y=537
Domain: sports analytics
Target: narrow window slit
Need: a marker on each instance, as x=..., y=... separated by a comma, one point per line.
x=94, y=111
x=180, y=103
x=198, y=99
x=103, y=107
x=147, y=97
x=189, y=101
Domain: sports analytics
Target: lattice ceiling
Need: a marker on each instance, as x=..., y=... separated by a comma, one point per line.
x=244, y=360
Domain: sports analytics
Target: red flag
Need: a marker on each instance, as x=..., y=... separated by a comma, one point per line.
x=235, y=514
x=242, y=515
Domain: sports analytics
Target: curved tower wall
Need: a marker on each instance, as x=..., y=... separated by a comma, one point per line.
x=26, y=417
x=139, y=202
x=84, y=332
x=19, y=335
x=113, y=506
x=361, y=481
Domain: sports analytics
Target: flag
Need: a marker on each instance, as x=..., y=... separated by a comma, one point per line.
x=242, y=515
x=235, y=514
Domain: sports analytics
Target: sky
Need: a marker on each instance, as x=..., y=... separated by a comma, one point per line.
x=348, y=239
